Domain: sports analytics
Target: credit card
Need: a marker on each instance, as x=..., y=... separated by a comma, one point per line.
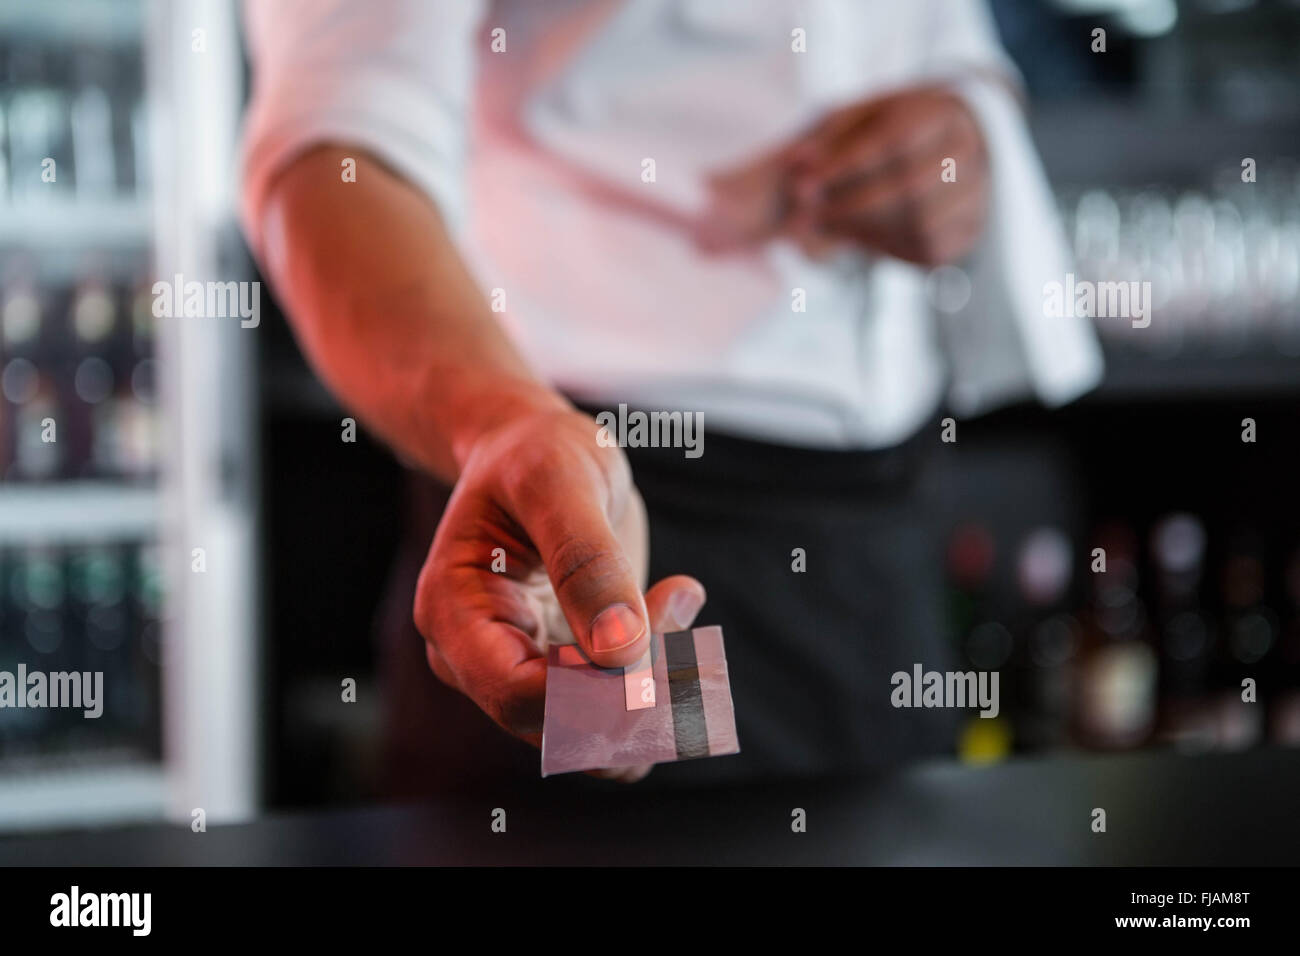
x=673, y=704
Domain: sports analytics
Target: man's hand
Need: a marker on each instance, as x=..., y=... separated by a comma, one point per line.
x=571, y=528
x=869, y=175
x=872, y=174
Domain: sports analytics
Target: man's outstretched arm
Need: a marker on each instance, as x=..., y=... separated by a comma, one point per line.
x=387, y=311
x=389, y=315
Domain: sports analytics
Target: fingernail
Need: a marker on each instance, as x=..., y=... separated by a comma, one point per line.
x=683, y=606
x=615, y=627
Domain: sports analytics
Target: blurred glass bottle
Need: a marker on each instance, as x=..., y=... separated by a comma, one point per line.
x=969, y=561
x=4, y=126
x=1045, y=571
x=39, y=128
x=1187, y=633
x=93, y=332
x=99, y=617
x=140, y=148
x=1115, y=682
x=137, y=391
x=984, y=643
x=147, y=657
x=1284, y=690
x=4, y=153
x=93, y=150
x=31, y=393
x=9, y=658
x=36, y=592
x=1250, y=632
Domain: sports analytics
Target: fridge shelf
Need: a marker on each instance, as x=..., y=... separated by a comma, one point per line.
x=77, y=511
x=83, y=796
x=83, y=224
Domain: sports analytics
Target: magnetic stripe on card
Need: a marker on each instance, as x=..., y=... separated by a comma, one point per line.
x=690, y=731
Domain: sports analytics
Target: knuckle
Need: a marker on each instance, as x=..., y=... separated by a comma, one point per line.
x=439, y=666
x=492, y=703
x=426, y=612
x=434, y=606
x=506, y=708
x=540, y=467
x=534, y=472
x=422, y=614
x=513, y=716
x=575, y=559
x=525, y=472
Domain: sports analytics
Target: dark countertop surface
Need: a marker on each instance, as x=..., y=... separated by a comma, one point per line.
x=1161, y=808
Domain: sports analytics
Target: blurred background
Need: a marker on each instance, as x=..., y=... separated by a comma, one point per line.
x=223, y=685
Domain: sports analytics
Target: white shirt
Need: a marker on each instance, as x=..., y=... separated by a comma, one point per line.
x=535, y=156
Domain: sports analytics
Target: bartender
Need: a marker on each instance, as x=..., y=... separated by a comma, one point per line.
x=490, y=221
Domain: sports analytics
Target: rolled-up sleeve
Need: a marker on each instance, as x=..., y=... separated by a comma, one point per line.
x=392, y=77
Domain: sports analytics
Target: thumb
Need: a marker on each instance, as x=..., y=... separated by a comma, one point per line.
x=673, y=604
x=593, y=581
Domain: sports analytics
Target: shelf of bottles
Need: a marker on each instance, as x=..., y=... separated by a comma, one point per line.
x=80, y=574
x=1170, y=632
